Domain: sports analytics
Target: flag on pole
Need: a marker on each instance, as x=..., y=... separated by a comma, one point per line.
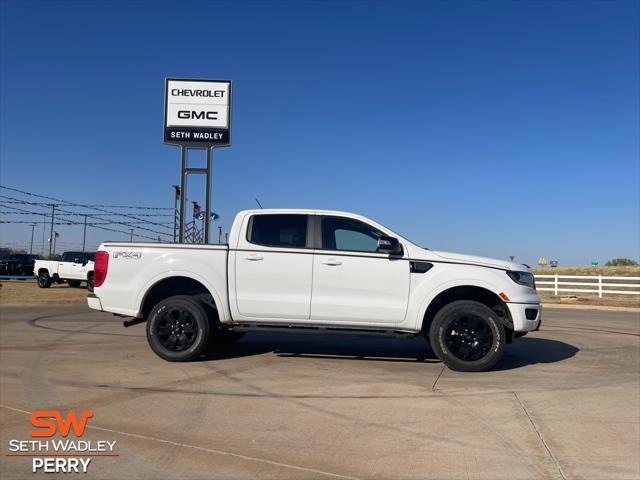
x=200, y=216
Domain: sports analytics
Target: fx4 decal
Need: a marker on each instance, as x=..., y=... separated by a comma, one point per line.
x=128, y=255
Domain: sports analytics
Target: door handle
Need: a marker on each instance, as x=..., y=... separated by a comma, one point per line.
x=254, y=258
x=332, y=262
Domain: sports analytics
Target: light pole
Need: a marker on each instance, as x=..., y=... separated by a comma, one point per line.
x=33, y=226
x=132, y=234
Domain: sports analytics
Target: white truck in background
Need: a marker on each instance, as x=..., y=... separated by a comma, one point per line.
x=73, y=268
x=320, y=271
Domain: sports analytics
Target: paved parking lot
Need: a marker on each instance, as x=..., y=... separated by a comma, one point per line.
x=563, y=404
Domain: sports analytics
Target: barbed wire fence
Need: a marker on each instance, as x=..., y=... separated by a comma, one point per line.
x=133, y=222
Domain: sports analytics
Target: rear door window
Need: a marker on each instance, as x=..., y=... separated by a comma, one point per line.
x=279, y=230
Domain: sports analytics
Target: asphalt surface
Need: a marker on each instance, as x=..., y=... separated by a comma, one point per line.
x=564, y=402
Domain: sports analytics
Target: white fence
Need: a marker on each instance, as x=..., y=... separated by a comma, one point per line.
x=597, y=284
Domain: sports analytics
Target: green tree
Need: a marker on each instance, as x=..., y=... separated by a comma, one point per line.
x=621, y=262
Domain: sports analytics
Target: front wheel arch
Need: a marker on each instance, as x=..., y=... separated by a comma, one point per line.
x=468, y=292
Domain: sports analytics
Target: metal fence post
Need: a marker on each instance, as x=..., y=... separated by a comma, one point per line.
x=600, y=286
x=555, y=284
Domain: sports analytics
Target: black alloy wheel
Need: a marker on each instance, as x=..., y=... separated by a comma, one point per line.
x=44, y=280
x=178, y=329
x=467, y=336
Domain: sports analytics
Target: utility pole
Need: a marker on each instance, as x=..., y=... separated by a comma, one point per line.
x=51, y=239
x=219, y=234
x=55, y=235
x=44, y=232
x=33, y=226
x=84, y=233
x=131, y=234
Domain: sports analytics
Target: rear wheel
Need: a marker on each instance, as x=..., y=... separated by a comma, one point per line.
x=44, y=280
x=467, y=336
x=73, y=283
x=178, y=329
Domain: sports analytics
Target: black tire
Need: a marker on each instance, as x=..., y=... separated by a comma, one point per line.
x=74, y=283
x=44, y=280
x=178, y=329
x=90, y=282
x=467, y=336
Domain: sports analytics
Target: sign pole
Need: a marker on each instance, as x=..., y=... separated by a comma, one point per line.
x=197, y=116
x=207, y=205
x=183, y=191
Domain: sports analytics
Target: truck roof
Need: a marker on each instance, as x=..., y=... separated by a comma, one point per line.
x=297, y=210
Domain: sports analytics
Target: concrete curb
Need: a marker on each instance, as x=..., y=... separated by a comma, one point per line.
x=590, y=307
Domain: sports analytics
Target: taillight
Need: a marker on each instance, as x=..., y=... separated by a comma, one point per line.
x=100, y=267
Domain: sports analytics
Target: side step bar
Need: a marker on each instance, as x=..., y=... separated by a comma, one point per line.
x=293, y=328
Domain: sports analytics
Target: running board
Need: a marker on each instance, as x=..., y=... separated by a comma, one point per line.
x=294, y=328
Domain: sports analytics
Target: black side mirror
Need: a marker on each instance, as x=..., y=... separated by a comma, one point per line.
x=389, y=245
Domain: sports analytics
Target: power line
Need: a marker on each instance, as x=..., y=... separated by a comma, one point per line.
x=72, y=204
x=106, y=213
x=64, y=214
x=83, y=205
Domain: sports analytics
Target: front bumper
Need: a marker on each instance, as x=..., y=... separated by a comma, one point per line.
x=523, y=317
x=94, y=302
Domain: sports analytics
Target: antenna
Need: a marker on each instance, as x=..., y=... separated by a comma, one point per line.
x=258, y=202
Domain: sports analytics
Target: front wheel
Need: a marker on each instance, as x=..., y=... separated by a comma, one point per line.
x=178, y=329
x=467, y=336
x=44, y=280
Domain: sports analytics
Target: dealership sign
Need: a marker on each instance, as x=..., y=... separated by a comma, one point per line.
x=197, y=112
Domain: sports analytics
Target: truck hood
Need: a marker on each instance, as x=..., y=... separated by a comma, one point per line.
x=468, y=259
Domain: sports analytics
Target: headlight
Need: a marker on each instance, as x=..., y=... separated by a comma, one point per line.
x=523, y=278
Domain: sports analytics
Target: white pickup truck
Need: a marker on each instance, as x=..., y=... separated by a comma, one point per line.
x=318, y=271
x=73, y=268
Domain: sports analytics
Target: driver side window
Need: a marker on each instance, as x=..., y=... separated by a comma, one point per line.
x=346, y=234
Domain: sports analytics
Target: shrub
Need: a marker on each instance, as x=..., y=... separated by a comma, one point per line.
x=621, y=262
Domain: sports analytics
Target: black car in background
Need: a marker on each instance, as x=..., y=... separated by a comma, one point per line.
x=18, y=264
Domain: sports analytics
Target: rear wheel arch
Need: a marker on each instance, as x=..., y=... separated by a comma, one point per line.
x=176, y=285
x=468, y=292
